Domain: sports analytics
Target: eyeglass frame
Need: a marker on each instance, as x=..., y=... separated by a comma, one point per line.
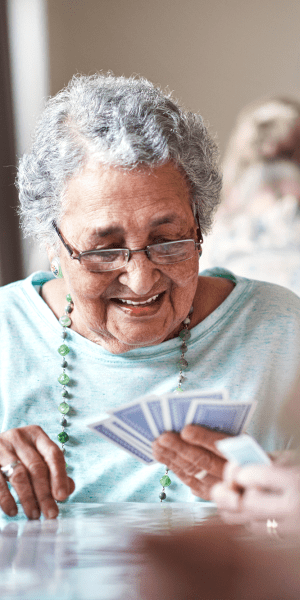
x=130, y=252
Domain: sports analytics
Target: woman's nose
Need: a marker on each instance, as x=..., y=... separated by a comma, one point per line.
x=140, y=274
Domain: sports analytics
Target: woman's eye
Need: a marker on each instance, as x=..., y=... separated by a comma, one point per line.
x=110, y=247
x=164, y=240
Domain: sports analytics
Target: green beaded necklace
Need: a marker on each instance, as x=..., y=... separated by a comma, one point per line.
x=64, y=379
x=184, y=335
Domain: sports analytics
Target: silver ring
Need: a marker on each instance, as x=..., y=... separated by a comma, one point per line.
x=272, y=527
x=201, y=474
x=9, y=469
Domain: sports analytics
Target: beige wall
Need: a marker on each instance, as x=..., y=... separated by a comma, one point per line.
x=217, y=55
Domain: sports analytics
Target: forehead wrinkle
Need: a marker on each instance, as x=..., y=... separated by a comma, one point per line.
x=111, y=229
x=106, y=231
x=164, y=220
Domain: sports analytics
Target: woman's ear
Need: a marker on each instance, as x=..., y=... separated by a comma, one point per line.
x=55, y=265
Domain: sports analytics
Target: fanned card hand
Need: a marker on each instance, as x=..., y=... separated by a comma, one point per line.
x=133, y=427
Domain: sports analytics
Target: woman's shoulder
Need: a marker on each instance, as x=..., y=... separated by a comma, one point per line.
x=265, y=297
x=256, y=285
x=17, y=292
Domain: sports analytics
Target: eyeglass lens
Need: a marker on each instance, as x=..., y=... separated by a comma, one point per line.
x=109, y=260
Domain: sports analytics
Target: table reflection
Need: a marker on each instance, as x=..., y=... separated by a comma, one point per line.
x=89, y=553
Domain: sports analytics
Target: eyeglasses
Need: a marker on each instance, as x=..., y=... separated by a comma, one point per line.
x=115, y=258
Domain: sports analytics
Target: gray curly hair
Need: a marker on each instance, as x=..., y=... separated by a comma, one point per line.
x=118, y=122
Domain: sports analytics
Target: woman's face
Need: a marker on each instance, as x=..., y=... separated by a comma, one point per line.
x=114, y=208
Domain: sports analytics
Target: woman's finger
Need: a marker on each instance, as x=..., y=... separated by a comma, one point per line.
x=170, y=448
x=54, y=458
x=200, y=488
x=7, y=501
x=40, y=477
x=20, y=481
x=201, y=436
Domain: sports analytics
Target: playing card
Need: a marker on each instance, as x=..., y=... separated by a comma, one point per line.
x=175, y=406
x=243, y=450
x=130, y=434
x=107, y=429
x=136, y=425
x=134, y=417
x=153, y=408
x=229, y=417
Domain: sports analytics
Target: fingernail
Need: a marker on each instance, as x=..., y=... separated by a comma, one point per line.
x=52, y=514
x=35, y=514
x=62, y=493
x=13, y=512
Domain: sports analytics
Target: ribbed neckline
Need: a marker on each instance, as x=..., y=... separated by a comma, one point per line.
x=31, y=288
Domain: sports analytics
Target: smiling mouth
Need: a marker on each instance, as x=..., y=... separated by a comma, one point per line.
x=127, y=302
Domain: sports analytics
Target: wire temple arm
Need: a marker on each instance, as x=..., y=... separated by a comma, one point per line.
x=199, y=234
x=62, y=239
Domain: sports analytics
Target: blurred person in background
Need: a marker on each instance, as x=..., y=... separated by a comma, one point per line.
x=257, y=228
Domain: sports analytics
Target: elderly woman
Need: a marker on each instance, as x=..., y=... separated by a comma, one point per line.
x=119, y=186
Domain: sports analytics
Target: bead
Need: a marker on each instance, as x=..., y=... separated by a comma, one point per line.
x=162, y=495
x=64, y=363
x=63, y=422
x=63, y=437
x=66, y=465
x=182, y=363
x=178, y=389
x=63, y=334
x=65, y=321
x=165, y=481
x=191, y=310
x=185, y=334
x=187, y=321
x=69, y=308
x=63, y=350
x=64, y=408
x=64, y=393
x=68, y=298
x=64, y=379
x=183, y=347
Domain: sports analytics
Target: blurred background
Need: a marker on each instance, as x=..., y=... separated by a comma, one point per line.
x=216, y=56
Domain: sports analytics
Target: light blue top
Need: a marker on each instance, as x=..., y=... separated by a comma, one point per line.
x=250, y=345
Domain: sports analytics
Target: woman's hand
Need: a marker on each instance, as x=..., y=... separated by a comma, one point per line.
x=40, y=479
x=192, y=455
x=258, y=493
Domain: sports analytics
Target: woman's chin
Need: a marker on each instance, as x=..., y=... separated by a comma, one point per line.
x=120, y=342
